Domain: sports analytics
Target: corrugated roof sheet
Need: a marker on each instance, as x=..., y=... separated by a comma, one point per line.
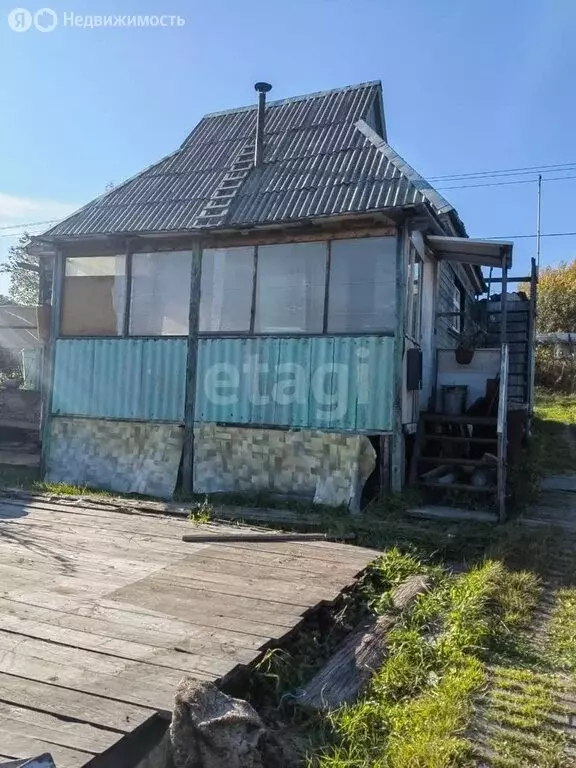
x=317, y=162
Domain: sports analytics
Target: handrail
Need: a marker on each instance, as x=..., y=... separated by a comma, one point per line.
x=502, y=430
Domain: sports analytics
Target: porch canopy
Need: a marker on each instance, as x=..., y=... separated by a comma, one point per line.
x=481, y=253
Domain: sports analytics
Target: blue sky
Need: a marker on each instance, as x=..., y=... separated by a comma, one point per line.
x=468, y=86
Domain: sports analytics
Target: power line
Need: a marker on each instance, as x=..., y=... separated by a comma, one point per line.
x=502, y=171
x=30, y=224
x=505, y=183
x=522, y=237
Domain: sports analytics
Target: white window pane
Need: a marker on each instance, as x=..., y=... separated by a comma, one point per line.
x=226, y=289
x=362, y=293
x=94, y=296
x=291, y=283
x=160, y=299
x=95, y=266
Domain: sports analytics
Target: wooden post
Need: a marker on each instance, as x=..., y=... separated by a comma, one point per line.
x=384, y=447
x=397, y=473
x=191, y=369
x=49, y=355
x=531, y=373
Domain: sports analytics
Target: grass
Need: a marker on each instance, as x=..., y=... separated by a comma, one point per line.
x=562, y=630
x=554, y=426
x=202, y=514
x=421, y=703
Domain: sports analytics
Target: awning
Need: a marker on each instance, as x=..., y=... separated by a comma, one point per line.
x=481, y=253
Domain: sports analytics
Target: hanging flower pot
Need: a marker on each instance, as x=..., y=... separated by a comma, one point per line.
x=464, y=355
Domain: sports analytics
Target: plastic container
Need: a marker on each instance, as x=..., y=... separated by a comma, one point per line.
x=453, y=399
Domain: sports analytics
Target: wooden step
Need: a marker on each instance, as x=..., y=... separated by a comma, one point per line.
x=459, y=439
x=459, y=487
x=443, y=418
x=440, y=460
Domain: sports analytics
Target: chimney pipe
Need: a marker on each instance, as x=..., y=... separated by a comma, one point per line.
x=262, y=89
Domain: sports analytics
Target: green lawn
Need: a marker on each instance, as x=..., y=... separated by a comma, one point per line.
x=555, y=433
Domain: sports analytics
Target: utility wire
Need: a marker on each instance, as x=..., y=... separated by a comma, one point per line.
x=524, y=170
x=522, y=237
x=512, y=171
x=30, y=224
x=504, y=183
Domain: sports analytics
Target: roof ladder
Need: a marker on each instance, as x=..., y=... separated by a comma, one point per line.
x=217, y=207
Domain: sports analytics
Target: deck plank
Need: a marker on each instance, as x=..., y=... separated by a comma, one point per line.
x=20, y=745
x=103, y=611
x=40, y=725
x=65, y=703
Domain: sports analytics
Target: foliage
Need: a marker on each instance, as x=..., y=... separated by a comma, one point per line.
x=24, y=282
x=554, y=372
x=421, y=702
x=557, y=298
x=562, y=630
x=554, y=429
x=202, y=513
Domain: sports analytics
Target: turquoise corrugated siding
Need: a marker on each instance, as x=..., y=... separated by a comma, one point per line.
x=120, y=378
x=342, y=383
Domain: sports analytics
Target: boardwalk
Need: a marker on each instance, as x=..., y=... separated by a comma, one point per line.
x=103, y=612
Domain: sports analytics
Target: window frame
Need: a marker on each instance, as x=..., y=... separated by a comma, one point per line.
x=131, y=251
x=60, y=288
x=128, y=258
x=328, y=248
x=457, y=305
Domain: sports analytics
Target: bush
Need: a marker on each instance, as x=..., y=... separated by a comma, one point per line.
x=554, y=372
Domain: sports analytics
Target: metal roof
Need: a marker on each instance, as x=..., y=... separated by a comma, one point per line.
x=325, y=154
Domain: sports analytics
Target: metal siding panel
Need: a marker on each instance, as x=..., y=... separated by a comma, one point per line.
x=72, y=387
x=320, y=376
x=365, y=388
x=295, y=357
x=141, y=379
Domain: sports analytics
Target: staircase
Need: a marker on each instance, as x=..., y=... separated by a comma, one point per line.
x=219, y=204
x=457, y=446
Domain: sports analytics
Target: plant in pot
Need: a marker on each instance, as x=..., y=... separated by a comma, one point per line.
x=470, y=339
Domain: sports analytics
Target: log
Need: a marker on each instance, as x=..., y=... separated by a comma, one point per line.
x=347, y=673
x=256, y=537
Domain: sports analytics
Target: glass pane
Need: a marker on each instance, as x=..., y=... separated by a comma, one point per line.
x=226, y=289
x=94, y=296
x=290, y=288
x=160, y=299
x=362, y=293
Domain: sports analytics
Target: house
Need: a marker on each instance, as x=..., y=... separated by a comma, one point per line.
x=259, y=310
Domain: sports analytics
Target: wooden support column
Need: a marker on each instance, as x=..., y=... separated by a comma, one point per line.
x=48, y=358
x=191, y=369
x=397, y=469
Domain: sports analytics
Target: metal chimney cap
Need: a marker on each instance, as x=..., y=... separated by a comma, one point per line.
x=262, y=87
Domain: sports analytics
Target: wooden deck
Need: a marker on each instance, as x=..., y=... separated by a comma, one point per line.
x=103, y=612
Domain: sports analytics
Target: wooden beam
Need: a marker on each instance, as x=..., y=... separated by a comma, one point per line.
x=191, y=369
x=337, y=228
x=48, y=359
x=397, y=472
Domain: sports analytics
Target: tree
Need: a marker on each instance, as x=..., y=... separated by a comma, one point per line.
x=22, y=266
x=556, y=300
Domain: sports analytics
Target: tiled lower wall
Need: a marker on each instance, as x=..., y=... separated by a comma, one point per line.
x=328, y=467
x=130, y=457
x=140, y=457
